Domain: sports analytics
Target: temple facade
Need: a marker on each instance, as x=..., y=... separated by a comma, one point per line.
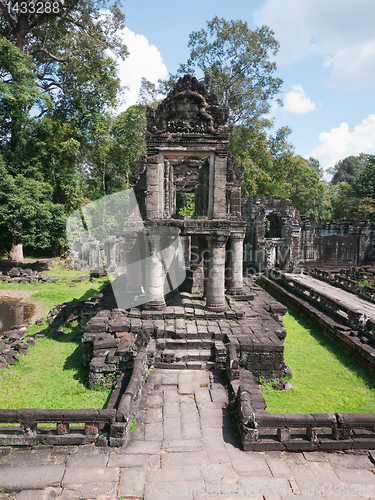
x=187, y=159
x=277, y=236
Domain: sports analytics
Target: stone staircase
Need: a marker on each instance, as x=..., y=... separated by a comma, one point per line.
x=186, y=336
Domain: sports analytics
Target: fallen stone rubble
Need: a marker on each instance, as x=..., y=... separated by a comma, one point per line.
x=27, y=275
x=12, y=344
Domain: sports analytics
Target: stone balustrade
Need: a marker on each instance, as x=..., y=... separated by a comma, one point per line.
x=66, y=432
x=262, y=431
x=110, y=426
x=352, y=316
x=345, y=282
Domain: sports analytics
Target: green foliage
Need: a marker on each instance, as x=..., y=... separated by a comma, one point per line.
x=364, y=283
x=344, y=202
x=28, y=202
x=307, y=191
x=185, y=204
x=117, y=144
x=133, y=426
x=70, y=72
x=364, y=183
x=348, y=169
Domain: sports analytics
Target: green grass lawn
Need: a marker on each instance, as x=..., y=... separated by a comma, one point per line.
x=52, y=375
x=56, y=293
x=325, y=378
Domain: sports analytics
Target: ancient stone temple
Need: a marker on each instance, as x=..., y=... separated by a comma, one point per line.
x=277, y=236
x=187, y=159
x=273, y=235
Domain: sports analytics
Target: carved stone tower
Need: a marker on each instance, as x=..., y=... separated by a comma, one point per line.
x=188, y=160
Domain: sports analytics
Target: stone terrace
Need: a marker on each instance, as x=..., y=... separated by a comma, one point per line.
x=185, y=335
x=184, y=445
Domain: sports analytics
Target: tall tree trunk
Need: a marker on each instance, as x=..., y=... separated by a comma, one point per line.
x=21, y=32
x=16, y=252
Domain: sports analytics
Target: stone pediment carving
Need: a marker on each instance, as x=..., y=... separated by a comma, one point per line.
x=188, y=109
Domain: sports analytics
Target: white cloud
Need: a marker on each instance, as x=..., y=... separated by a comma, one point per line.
x=341, y=32
x=144, y=61
x=296, y=101
x=340, y=142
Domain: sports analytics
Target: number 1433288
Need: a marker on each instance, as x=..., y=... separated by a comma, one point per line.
x=35, y=7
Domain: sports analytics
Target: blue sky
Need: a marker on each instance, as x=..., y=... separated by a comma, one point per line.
x=326, y=60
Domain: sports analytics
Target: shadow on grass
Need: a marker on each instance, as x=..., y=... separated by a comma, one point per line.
x=74, y=362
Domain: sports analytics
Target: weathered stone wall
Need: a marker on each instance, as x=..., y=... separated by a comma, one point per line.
x=273, y=233
x=278, y=236
x=341, y=242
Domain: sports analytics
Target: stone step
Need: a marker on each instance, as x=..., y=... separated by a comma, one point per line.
x=183, y=355
x=188, y=344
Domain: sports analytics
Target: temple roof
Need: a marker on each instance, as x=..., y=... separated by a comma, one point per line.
x=188, y=109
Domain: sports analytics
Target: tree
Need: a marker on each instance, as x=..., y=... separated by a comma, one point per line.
x=266, y=159
x=354, y=196
x=57, y=77
x=345, y=203
x=315, y=165
x=307, y=191
x=364, y=183
x=348, y=169
x=18, y=93
x=234, y=63
x=149, y=94
x=66, y=49
x=117, y=144
x=28, y=215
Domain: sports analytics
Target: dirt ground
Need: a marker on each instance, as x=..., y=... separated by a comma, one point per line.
x=23, y=296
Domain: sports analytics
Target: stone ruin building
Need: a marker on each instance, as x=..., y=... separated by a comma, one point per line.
x=209, y=316
x=187, y=159
x=187, y=156
x=277, y=236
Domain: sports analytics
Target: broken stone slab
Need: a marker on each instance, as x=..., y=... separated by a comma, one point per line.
x=11, y=358
x=14, y=272
x=119, y=325
x=97, y=324
x=14, y=334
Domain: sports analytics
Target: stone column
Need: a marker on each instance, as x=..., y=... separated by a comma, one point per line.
x=133, y=256
x=94, y=255
x=155, y=274
x=111, y=254
x=215, y=293
x=235, y=264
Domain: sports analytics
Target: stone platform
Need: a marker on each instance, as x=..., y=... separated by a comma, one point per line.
x=186, y=336
x=184, y=446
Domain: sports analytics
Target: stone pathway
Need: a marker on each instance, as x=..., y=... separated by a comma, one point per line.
x=348, y=299
x=184, y=446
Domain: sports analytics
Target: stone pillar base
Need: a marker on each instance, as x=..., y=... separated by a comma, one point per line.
x=217, y=307
x=235, y=291
x=155, y=305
